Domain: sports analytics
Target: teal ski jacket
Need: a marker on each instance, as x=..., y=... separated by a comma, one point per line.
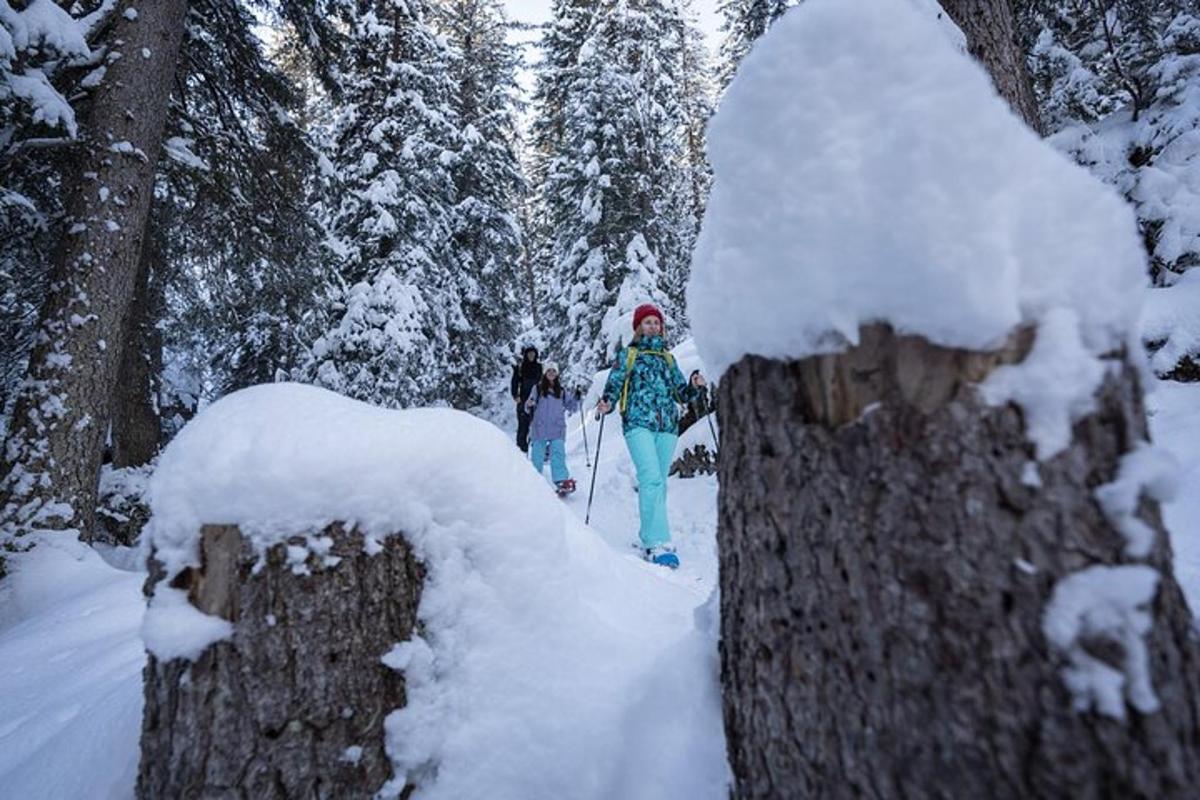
x=656, y=387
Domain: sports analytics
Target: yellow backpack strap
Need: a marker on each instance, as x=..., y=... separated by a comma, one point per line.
x=629, y=359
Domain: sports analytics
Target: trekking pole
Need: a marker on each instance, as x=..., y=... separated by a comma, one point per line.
x=592, y=492
x=583, y=427
x=712, y=410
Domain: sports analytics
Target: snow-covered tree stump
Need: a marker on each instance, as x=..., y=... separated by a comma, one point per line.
x=888, y=555
x=292, y=705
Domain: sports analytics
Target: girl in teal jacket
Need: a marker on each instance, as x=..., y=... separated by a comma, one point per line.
x=647, y=386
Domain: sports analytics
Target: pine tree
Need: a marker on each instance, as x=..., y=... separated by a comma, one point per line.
x=240, y=261
x=489, y=187
x=47, y=55
x=1116, y=82
x=1089, y=59
x=611, y=190
x=395, y=304
x=568, y=29
x=697, y=103
x=560, y=44
x=56, y=436
x=745, y=21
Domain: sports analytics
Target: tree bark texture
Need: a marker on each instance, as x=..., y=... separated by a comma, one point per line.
x=136, y=427
x=293, y=705
x=991, y=31
x=884, y=573
x=62, y=413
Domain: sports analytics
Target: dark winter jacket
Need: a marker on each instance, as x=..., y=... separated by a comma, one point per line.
x=656, y=386
x=550, y=415
x=525, y=376
x=696, y=409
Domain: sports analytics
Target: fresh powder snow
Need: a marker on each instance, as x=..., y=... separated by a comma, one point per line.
x=1171, y=321
x=1174, y=410
x=554, y=662
x=889, y=182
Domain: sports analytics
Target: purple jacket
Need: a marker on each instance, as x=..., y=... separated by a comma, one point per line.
x=550, y=414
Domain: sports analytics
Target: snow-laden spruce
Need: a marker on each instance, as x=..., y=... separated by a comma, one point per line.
x=617, y=199
x=889, y=182
x=537, y=637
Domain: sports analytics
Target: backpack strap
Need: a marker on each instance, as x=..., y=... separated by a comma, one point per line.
x=629, y=359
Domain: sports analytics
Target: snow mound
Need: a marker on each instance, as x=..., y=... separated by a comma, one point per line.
x=285, y=459
x=866, y=170
x=71, y=698
x=1174, y=410
x=537, y=637
x=1171, y=322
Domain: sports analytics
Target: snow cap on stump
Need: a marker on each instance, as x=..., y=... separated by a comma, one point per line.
x=866, y=170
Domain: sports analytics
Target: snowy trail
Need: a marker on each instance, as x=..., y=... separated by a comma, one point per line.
x=691, y=503
x=71, y=703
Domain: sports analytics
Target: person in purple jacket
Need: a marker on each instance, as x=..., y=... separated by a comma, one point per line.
x=550, y=406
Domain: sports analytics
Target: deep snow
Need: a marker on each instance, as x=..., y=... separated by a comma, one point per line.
x=556, y=663
x=888, y=181
x=71, y=656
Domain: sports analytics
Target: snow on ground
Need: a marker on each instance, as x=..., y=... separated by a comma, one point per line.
x=70, y=677
x=1174, y=410
x=556, y=663
x=1171, y=321
x=540, y=713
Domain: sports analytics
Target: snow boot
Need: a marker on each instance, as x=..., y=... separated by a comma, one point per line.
x=662, y=555
x=565, y=487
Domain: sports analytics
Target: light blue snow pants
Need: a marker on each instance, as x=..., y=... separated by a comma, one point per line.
x=558, y=457
x=652, y=453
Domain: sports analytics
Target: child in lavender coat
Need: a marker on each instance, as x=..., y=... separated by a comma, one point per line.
x=550, y=405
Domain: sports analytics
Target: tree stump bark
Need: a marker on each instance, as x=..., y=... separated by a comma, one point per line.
x=293, y=705
x=884, y=574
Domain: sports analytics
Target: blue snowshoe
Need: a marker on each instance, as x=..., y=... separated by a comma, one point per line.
x=663, y=556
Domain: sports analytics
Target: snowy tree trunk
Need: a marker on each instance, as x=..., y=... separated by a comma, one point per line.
x=990, y=28
x=62, y=413
x=136, y=427
x=884, y=573
x=293, y=705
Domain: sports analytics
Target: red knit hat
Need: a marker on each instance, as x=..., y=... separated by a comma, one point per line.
x=646, y=310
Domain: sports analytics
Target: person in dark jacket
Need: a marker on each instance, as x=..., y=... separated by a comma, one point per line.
x=526, y=374
x=697, y=408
